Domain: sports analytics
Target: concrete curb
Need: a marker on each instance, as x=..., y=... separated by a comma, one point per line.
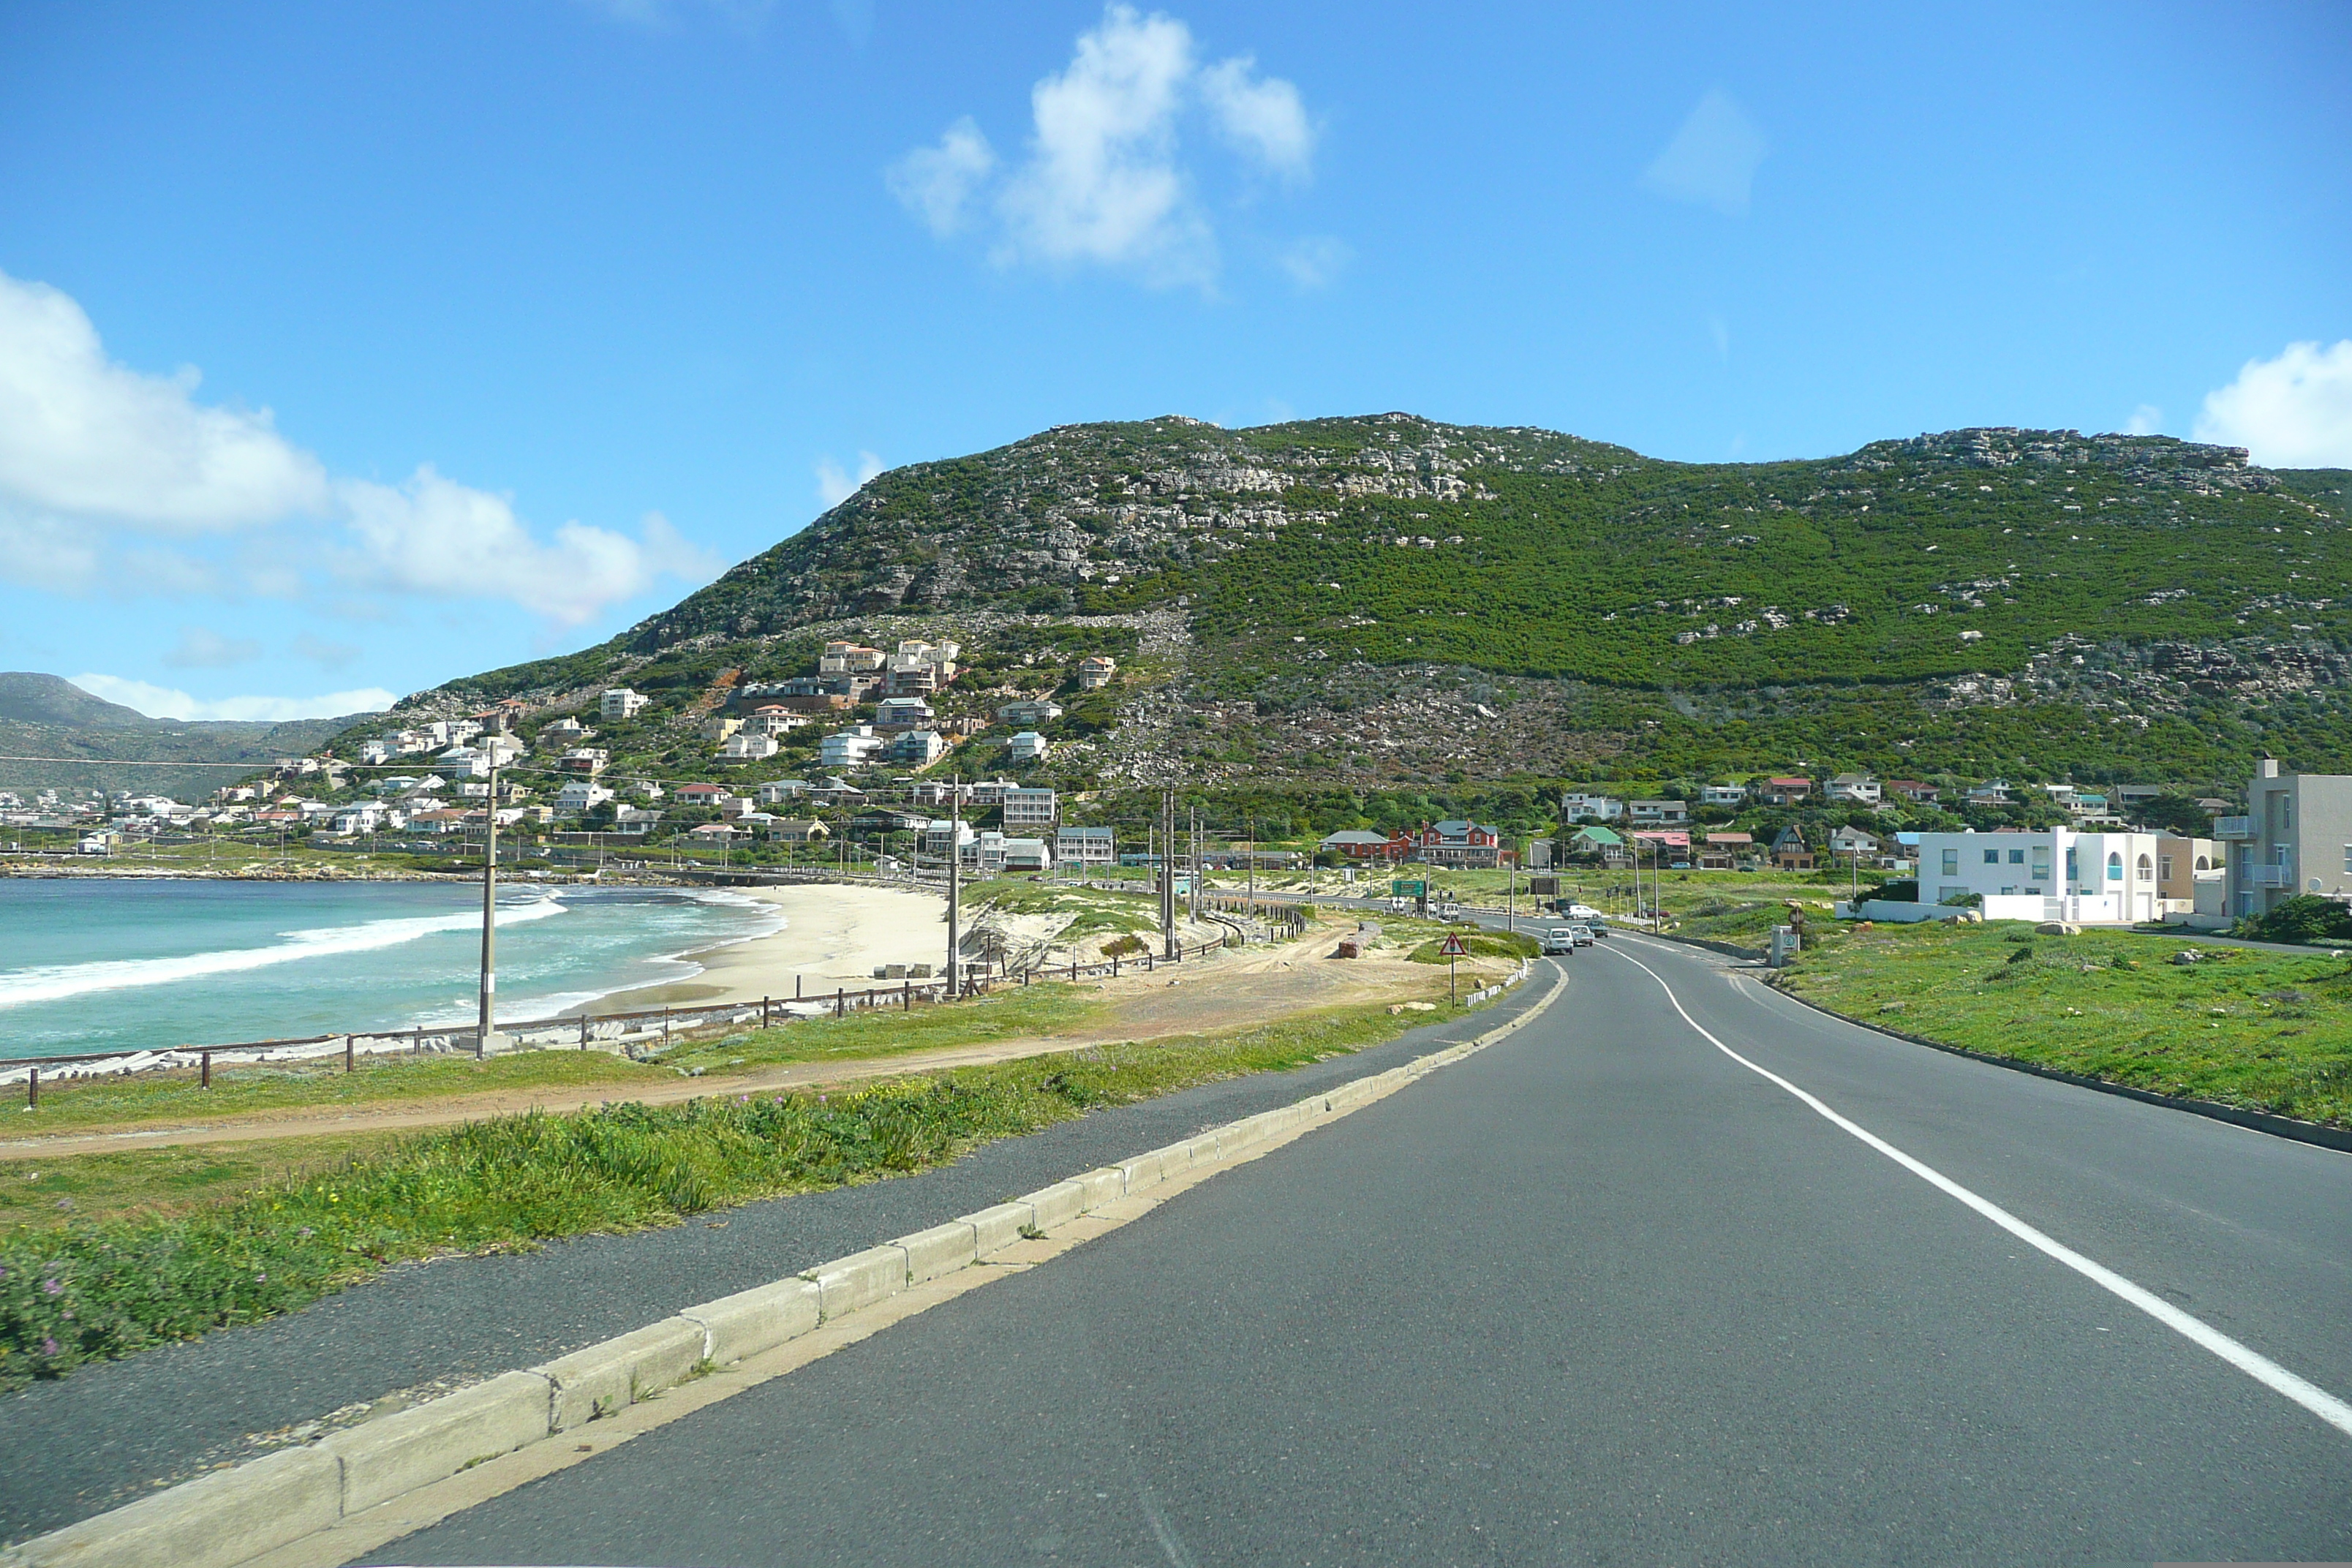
x=277, y=1502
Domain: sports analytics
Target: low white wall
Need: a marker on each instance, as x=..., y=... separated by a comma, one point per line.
x=1895, y=912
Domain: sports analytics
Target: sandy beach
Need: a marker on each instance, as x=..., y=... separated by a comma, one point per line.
x=833, y=935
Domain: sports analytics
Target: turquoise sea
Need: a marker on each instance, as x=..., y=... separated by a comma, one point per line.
x=96, y=965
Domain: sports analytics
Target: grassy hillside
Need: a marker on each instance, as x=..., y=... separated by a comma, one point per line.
x=91, y=740
x=1387, y=595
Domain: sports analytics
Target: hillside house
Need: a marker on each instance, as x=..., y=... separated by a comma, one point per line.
x=1660, y=812
x=776, y=792
x=916, y=749
x=748, y=748
x=1727, y=851
x=851, y=748
x=1030, y=711
x=1095, y=671
x=619, y=703
x=896, y=713
x=1856, y=789
x=719, y=726
x=580, y=796
x=1583, y=806
x=1914, y=790
x=589, y=760
x=1788, y=789
x=1602, y=843
x=1991, y=792
x=773, y=719
x=710, y=796
x=843, y=657
x=834, y=791
x=565, y=731
x=1360, y=843
x=1789, y=850
x=1852, y=844
x=798, y=830
x=1028, y=746
x=1460, y=842
x=1731, y=797
x=918, y=667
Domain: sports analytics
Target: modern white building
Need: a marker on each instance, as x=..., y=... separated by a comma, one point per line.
x=1723, y=794
x=619, y=703
x=944, y=831
x=1582, y=806
x=579, y=795
x=991, y=852
x=1025, y=747
x=2048, y=874
x=917, y=748
x=1030, y=711
x=2295, y=837
x=747, y=747
x=1029, y=809
x=1085, y=846
x=850, y=748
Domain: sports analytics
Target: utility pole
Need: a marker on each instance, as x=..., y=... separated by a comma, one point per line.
x=489, y=995
x=1168, y=872
x=955, y=886
x=1249, y=836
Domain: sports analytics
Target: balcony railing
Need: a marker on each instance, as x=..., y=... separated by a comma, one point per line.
x=2233, y=827
x=2270, y=876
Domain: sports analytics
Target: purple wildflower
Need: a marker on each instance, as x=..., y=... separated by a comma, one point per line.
x=49, y=1347
x=51, y=1287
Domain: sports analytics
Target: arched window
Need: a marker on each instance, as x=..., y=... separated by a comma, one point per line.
x=2114, y=865
x=2147, y=869
x=2204, y=863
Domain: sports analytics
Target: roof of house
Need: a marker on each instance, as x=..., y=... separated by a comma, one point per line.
x=1597, y=835
x=1789, y=779
x=1731, y=838
x=1355, y=835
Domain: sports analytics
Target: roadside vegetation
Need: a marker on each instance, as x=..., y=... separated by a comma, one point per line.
x=2260, y=1031
x=75, y=1289
x=1481, y=944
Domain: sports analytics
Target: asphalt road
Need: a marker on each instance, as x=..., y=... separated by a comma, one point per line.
x=77, y=1446
x=1599, y=1294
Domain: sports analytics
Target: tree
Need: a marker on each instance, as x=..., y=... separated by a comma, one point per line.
x=2304, y=918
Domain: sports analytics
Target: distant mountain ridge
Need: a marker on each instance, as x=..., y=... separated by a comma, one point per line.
x=1390, y=594
x=105, y=745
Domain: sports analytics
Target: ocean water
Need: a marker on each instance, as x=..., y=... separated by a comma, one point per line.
x=101, y=965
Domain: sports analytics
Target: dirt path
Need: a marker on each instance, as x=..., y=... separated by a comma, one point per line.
x=1231, y=991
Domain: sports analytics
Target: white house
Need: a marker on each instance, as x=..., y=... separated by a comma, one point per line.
x=579, y=795
x=850, y=748
x=2049, y=874
x=362, y=817
x=776, y=792
x=1025, y=747
x=917, y=748
x=944, y=831
x=773, y=720
x=619, y=703
x=991, y=852
x=1095, y=670
x=1029, y=809
x=1581, y=806
x=748, y=748
x=902, y=713
x=1856, y=789
x=1723, y=794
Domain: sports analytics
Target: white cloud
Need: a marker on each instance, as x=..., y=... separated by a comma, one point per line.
x=1103, y=183
x=935, y=184
x=1263, y=116
x=833, y=486
x=2292, y=412
x=1712, y=159
x=1314, y=261
x=432, y=535
x=2146, y=420
x=201, y=648
x=319, y=651
x=165, y=702
x=94, y=455
x=83, y=436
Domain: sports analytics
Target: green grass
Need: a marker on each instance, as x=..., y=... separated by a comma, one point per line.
x=1092, y=913
x=1020, y=1011
x=43, y=1194
x=1484, y=944
x=2261, y=1031
x=80, y=1105
x=75, y=1291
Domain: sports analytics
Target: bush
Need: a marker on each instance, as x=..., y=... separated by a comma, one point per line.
x=1905, y=891
x=2306, y=918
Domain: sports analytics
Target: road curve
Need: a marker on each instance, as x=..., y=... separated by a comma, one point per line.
x=1603, y=1292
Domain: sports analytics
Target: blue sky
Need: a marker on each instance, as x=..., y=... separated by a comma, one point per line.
x=344, y=349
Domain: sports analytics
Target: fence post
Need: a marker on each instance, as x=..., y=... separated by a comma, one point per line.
x=840, y=1003
x=1114, y=966
x=583, y=1031
x=1074, y=971
x=665, y=1025
x=205, y=1071
x=351, y=1053
x=906, y=995
x=764, y=1012
x=796, y=987
x=33, y=1089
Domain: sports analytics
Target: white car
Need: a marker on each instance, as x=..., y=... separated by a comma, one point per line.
x=1557, y=942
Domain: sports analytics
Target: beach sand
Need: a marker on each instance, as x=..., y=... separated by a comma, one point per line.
x=833, y=935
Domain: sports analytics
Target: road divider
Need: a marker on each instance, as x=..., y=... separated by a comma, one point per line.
x=365, y=1486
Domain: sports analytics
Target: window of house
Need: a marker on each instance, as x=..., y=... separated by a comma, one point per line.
x=2115, y=866
x=1992, y=857
x=2145, y=868
x=2168, y=868
x=2016, y=857
x=2007, y=891
x=2348, y=859
x=1952, y=862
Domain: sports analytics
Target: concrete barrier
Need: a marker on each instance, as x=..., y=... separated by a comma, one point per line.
x=232, y=1516
x=214, y=1521
x=943, y=1250
x=859, y=1281
x=417, y=1446
x=761, y=1319
x=611, y=1376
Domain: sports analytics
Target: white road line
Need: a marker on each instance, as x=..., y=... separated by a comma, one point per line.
x=2259, y=1367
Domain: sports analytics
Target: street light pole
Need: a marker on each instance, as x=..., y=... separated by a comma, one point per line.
x=490, y=993
x=955, y=885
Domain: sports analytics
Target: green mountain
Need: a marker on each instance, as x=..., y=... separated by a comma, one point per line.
x=1391, y=597
x=54, y=735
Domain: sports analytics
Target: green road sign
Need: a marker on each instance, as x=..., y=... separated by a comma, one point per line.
x=1408, y=888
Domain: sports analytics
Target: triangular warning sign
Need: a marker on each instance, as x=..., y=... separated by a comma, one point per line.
x=1454, y=947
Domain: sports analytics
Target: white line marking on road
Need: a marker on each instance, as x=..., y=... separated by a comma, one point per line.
x=2259, y=1367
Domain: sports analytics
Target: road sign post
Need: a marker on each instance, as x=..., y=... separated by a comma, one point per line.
x=1453, y=951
